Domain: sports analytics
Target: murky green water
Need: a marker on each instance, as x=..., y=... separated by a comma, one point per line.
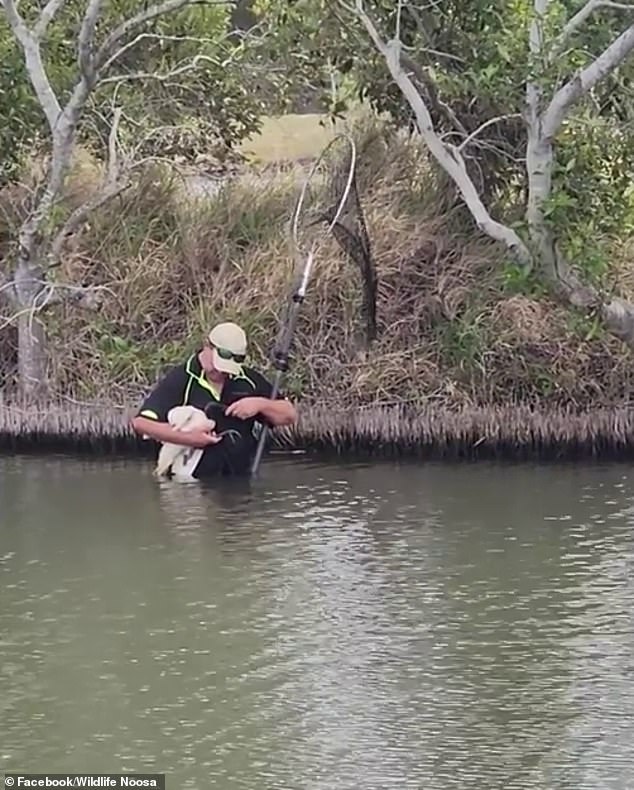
x=353, y=627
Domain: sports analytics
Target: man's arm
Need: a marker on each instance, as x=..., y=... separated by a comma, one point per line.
x=163, y=432
x=151, y=419
x=277, y=413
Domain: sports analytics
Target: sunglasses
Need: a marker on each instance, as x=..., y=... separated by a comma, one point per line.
x=224, y=353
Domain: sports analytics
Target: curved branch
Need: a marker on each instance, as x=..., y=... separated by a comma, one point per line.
x=163, y=77
x=48, y=13
x=34, y=65
x=484, y=126
x=586, y=11
x=86, y=37
x=105, y=56
x=114, y=184
x=53, y=294
x=448, y=156
x=584, y=81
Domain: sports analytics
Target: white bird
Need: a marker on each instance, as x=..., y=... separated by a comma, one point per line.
x=182, y=460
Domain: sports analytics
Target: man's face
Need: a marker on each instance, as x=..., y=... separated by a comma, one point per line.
x=207, y=358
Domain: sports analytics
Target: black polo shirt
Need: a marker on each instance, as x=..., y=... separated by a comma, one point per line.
x=186, y=384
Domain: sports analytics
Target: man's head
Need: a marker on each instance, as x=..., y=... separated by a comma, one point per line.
x=225, y=349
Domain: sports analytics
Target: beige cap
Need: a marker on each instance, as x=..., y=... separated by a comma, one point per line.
x=230, y=347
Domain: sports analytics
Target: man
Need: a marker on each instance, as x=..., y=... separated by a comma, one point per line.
x=216, y=381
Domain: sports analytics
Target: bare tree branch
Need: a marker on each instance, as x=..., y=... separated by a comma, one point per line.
x=64, y=130
x=109, y=191
x=48, y=13
x=28, y=230
x=7, y=287
x=113, y=168
x=38, y=247
x=34, y=66
x=575, y=22
x=104, y=53
x=420, y=24
x=539, y=153
x=51, y=294
x=542, y=125
x=448, y=156
x=86, y=37
x=484, y=126
x=243, y=35
x=152, y=36
x=115, y=182
x=438, y=105
x=585, y=80
x=16, y=22
x=63, y=122
x=399, y=12
x=163, y=77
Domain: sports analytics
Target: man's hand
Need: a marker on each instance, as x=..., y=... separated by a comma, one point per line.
x=199, y=438
x=245, y=408
x=163, y=432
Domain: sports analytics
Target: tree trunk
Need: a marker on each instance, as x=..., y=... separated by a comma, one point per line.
x=32, y=357
x=32, y=346
x=619, y=319
x=539, y=165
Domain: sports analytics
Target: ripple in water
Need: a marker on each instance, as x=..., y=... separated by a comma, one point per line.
x=388, y=626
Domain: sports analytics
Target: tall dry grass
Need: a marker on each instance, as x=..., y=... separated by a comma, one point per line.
x=455, y=330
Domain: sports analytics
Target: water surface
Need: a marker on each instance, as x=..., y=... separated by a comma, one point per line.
x=354, y=626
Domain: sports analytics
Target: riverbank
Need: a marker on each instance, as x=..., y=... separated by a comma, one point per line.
x=472, y=356
x=518, y=433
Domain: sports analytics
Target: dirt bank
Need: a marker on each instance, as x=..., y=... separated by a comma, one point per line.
x=466, y=347
x=390, y=431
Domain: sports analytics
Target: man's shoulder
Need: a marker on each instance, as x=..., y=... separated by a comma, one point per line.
x=254, y=382
x=169, y=378
x=249, y=371
x=165, y=393
x=175, y=369
x=253, y=375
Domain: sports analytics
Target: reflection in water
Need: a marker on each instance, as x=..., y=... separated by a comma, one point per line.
x=353, y=626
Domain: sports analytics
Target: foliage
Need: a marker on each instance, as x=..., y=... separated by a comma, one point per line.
x=455, y=328
x=310, y=53
x=208, y=108
x=22, y=119
x=471, y=61
x=593, y=199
